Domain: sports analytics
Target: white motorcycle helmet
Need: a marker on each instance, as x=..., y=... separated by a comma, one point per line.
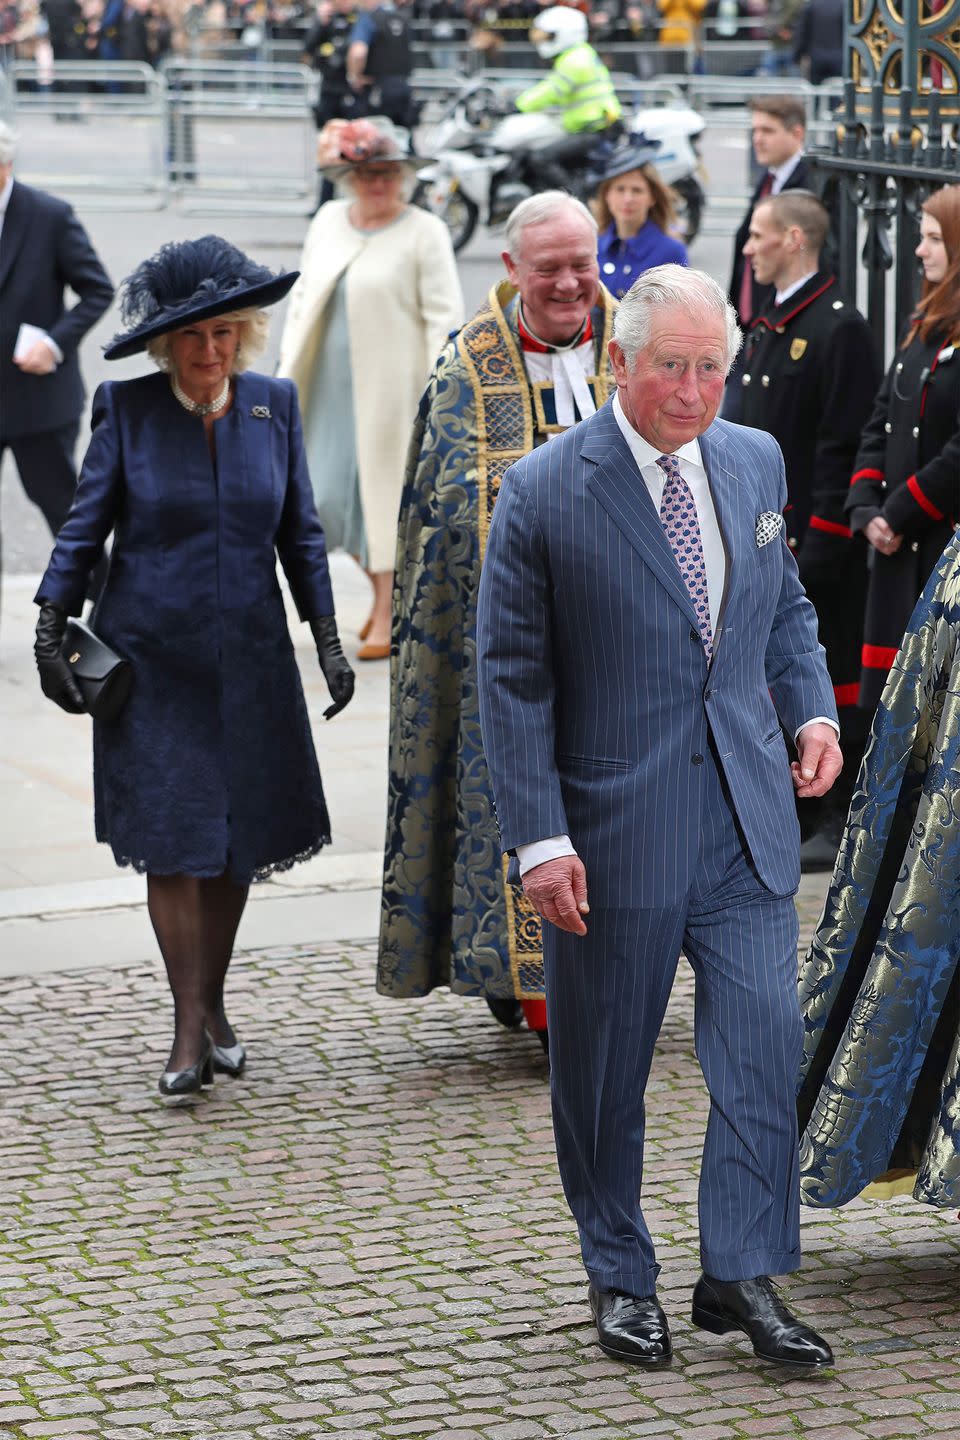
x=558, y=29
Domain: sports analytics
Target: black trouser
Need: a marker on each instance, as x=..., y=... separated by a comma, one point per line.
x=48, y=475
x=555, y=162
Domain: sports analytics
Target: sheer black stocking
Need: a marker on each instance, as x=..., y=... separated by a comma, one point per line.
x=195, y=922
x=222, y=914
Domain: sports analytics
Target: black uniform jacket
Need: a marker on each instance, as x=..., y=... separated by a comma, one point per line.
x=810, y=377
x=907, y=470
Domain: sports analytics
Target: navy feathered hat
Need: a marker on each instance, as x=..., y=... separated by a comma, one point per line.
x=609, y=159
x=191, y=280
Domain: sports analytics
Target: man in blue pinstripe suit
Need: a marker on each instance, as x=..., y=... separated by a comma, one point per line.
x=642, y=633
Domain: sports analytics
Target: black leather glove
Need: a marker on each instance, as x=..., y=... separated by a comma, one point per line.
x=56, y=682
x=337, y=673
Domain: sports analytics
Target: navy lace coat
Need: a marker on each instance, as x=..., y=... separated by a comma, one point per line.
x=210, y=766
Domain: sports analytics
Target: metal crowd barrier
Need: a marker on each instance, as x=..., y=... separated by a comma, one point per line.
x=75, y=118
x=722, y=102
x=242, y=136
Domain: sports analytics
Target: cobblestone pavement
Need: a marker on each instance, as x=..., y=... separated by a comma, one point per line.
x=365, y=1237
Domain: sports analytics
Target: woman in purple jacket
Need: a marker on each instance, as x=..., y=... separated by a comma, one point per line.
x=635, y=211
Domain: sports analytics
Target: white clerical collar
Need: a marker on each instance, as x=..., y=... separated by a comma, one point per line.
x=647, y=454
x=784, y=295
x=5, y=195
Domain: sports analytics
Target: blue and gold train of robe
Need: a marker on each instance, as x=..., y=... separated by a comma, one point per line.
x=880, y=987
x=448, y=917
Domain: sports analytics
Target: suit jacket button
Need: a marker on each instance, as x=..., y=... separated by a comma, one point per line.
x=696, y=759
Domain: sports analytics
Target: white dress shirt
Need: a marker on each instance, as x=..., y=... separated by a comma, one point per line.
x=783, y=295
x=538, y=852
x=783, y=172
x=55, y=350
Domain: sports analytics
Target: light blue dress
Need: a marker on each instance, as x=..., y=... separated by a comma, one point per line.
x=330, y=437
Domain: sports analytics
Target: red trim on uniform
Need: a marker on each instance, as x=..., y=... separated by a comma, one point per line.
x=830, y=527
x=785, y=319
x=878, y=657
x=846, y=694
x=530, y=342
x=927, y=506
x=535, y=1013
x=866, y=475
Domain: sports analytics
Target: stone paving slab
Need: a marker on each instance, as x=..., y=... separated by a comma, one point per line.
x=365, y=1237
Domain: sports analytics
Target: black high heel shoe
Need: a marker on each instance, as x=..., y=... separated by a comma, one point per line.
x=175, y=1084
x=229, y=1059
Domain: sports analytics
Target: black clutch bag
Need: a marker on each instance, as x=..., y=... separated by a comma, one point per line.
x=103, y=676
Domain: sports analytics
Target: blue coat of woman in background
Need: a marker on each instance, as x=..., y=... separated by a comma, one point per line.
x=635, y=211
x=208, y=778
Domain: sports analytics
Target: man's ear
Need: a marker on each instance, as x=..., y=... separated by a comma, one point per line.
x=619, y=361
x=513, y=274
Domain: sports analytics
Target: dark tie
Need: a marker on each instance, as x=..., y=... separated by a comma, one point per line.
x=678, y=516
x=745, y=298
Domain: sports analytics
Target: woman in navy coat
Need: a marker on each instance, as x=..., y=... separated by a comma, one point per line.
x=208, y=777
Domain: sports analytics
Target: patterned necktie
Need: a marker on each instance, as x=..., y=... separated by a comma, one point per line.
x=678, y=516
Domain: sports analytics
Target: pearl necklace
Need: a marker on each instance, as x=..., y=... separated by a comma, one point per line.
x=194, y=407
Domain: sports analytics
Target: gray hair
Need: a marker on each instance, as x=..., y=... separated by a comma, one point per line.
x=8, y=144
x=693, y=291
x=538, y=208
x=254, y=331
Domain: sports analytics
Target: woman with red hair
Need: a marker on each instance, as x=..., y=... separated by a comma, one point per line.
x=904, y=491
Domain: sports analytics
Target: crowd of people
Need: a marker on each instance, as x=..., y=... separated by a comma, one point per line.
x=643, y=553
x=796, y=31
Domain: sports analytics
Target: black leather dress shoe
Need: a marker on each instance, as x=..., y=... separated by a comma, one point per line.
x=631, y=1328
x=754, y=1307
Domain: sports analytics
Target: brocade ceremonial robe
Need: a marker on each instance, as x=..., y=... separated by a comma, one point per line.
x=880, y=986
x=448, y=917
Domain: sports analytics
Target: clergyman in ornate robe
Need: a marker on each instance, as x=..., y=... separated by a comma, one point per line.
x=448, y=914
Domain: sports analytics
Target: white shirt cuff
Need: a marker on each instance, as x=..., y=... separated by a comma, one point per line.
x=540, y=851
x=54, y=347
x=819, y=720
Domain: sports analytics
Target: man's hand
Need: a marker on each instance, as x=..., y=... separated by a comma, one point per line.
x=881, y=537
x=558, y=891
x=820, y=761
x=38, y=360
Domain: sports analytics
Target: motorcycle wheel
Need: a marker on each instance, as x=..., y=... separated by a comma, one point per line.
x=690, y=209
x=456, y=210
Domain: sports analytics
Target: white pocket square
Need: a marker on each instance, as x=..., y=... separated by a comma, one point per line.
x=769, y=526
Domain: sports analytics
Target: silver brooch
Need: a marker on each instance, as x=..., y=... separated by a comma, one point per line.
x=769, y=526
x=261, y=412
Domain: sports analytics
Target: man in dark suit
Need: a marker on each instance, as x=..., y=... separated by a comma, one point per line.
x=640, y=629
x=778, y=127
x=43, y=249
x=811, y=373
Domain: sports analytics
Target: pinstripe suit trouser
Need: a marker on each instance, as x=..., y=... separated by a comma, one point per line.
x=606, y=997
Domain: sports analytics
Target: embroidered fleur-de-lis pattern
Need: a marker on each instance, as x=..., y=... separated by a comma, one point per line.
x=678, y=516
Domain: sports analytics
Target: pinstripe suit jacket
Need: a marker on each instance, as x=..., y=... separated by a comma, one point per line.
x=595, y=695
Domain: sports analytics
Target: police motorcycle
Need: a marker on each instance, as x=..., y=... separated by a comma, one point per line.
x=487, y=158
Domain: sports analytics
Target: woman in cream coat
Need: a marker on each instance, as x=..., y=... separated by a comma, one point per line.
x=377, y=297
